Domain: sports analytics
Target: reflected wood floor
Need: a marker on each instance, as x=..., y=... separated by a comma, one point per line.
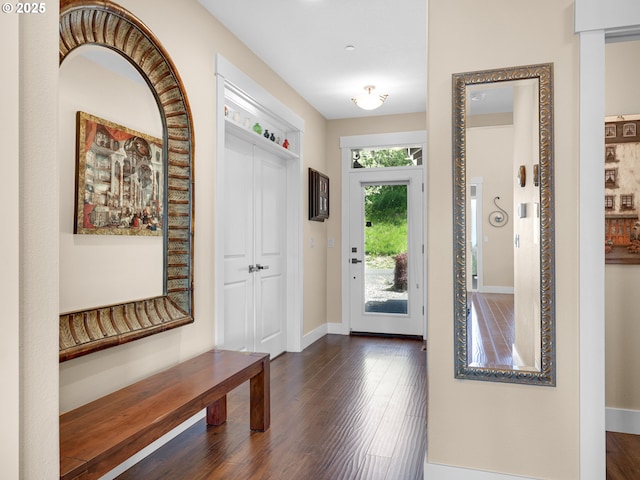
x=491, y=329
x=345, y=408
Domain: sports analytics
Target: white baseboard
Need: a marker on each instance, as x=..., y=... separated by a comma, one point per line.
x=517, y=359
x=622, y=421
x=338, y=328
x=324, y=329
x=314, y=335
x=434, y=471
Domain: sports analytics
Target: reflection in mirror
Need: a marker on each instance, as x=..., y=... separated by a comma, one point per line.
x=103, y=269
x=503, y=225
x=107, y=25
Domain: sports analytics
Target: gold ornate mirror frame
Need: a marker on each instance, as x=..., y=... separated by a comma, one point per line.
x=546, y=374
x=106, y=24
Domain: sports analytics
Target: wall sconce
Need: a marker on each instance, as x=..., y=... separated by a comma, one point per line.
x=369, y=100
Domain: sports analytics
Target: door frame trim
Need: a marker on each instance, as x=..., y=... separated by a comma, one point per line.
x=228, y=74
x=478, y=181
x=376, y=140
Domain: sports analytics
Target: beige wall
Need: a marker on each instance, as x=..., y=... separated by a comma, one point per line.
x=9, y=245
x=517, y=429
x=192, y=43
x=29, y=283
x=621, y=281
x=336, y=129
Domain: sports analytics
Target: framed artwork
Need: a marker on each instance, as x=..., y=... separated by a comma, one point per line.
x=318, y=196
x=622, y=189
x=119, y=180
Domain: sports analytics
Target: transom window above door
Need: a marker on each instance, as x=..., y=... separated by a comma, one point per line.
x=386, y=157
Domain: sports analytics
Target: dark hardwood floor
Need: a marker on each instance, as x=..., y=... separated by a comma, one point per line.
x=623, y=456
x=345, y=408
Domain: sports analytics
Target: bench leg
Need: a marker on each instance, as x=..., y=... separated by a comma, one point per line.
x=217, y=412
x=260, y=391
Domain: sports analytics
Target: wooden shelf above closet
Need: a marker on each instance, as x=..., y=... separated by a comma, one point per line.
x=258, y=140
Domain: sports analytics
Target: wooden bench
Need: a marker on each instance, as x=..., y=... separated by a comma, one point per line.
x=100, y=435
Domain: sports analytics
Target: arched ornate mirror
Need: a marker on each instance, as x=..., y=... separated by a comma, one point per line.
x=504, y=225
x=105, y=24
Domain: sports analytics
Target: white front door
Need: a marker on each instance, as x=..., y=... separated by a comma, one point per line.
x=386, y=289
x=254, y=249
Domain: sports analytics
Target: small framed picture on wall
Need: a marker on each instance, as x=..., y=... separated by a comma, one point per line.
x=318, y=196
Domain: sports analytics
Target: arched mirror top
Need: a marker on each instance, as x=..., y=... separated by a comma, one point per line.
x=515, y=170
x=108, y=25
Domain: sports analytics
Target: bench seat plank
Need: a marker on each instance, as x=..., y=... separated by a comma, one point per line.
x=98, y=436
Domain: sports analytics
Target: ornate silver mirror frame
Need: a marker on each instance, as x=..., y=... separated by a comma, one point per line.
x=546, y=374
x=106, y=24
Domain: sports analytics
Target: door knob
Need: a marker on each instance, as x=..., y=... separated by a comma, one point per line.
x=256, y=267
x=355, y=260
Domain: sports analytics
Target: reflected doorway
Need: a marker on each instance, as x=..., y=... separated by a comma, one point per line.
x=475, y=278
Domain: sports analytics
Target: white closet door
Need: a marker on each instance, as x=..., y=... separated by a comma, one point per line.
x=238, y=245
x=271, y=188
x=255, y=249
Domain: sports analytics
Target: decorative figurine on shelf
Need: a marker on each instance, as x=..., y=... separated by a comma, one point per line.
x=257, y=128
x=278, y=140
x=285, y=144
x=266, y=133
x=272, y=137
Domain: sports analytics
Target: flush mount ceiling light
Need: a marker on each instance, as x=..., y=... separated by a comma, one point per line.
x=369, y=100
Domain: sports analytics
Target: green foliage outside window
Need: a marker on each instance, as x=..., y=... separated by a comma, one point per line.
x=385, y=158
x=386, y=206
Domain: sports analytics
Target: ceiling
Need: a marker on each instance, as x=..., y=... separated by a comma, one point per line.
x=490, y=98
x=304, y=42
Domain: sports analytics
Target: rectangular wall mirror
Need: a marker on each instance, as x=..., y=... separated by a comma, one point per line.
x=504, y=292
